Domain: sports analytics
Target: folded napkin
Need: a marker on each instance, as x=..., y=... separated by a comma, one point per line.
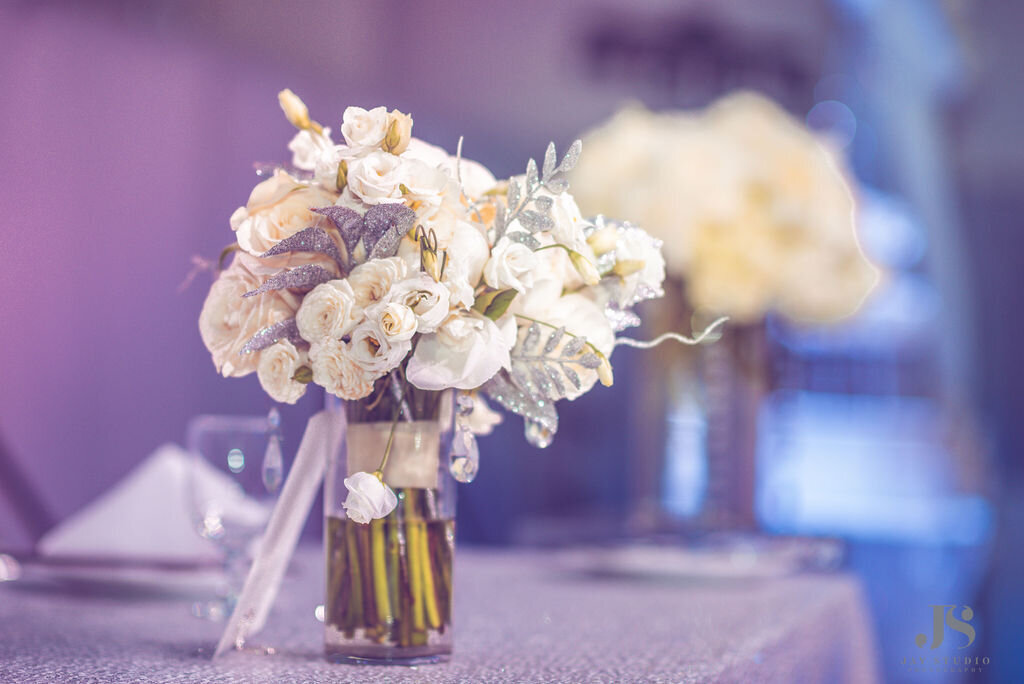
x=148, y=517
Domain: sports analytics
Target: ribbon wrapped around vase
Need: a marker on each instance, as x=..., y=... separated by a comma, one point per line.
x=321, y=438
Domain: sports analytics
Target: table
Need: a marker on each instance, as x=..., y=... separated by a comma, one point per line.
x=519, y=617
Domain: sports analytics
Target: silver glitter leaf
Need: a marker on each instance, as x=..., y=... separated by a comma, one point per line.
x=524, y=238
x=508, y=395
x=500, y=224
x=543, y=204
x=531, y=177
x=384, y=227
x=589, y=360
x=573, y=347
x=535, y=222
x=513, y=195
x=532, y=336
x=573, y=377
x=543, y=383
x=553, y=340
x=302, y=278
x=557, y=185
x=571, y=158
x=285, y=330
x=310, y=239
x=348, y=222
x=550, y=159
x=556, y=378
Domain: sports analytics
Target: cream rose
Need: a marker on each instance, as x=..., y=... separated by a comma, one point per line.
x=336, y=371
x=375, y=352
x=635, y=245
x=229, y=320
x=464, y=353
x=368, y=498
x=364, y=129
x=425, y=183
x=425, y=297
x=308, y=146
x=375, y=178
x=372, y=280
x=330, y=310
x=276, y=369
x=511, y=265
x=396, y=322
x=325, y=171
x=278, y=208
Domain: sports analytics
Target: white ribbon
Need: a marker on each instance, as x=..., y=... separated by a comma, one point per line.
x=321, y=439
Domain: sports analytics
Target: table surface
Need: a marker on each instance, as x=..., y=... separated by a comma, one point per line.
x=520, y=616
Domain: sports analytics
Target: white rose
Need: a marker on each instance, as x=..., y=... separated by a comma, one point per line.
x=460, y=287
x=425, y=152
x=569, y=222
x=396, y=322
x=635, y=244
x=325, y=171
x=375, y=178
x=330, y=310
x=278, y=208
x=425, y=183
x=476, y=179
x=228, y=320
x=277, y=366
x=511, y=265
x=425, y=297
x=308, y=146
x=368, y=498
x=335, y=370
x=364, y=129
x=464, y=353
x=374, y=352
x=372, y=280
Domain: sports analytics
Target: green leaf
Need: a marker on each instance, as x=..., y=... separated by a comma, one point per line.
x=494, y=303
x=303, y=374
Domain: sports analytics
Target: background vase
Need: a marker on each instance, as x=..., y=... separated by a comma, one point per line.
x=695, y=415
x=389, y=582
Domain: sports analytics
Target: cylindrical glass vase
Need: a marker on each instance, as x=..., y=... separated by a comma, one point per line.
x=389, y=581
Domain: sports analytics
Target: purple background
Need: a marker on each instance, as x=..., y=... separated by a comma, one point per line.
x=128, y=131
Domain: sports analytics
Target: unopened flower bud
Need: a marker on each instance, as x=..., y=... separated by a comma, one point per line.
x=585, y=268
x=603, y=240
x=294, y=109
x=604, y=371
x=342, y=180
x=627, y=267
x=399, y=132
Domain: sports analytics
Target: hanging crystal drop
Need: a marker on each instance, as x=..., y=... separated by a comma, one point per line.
x=464, y=404
x=273, y=465
x=537, y=435
x=274, y=419
x=464, y=457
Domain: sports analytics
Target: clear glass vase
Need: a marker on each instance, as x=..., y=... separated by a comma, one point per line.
x=389, y=582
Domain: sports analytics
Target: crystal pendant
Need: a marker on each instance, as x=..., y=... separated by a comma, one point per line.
x=464, y=456
x=537, y=435
x=273, y=465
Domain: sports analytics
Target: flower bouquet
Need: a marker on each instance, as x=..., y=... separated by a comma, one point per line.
x=416, y=287
x=757, y=216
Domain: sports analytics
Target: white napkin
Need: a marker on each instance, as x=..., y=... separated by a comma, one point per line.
x=147, y=516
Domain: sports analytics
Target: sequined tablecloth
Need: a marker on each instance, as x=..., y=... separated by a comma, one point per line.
x=519, y=617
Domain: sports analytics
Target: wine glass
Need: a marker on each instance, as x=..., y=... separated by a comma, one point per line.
x=235, y=476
